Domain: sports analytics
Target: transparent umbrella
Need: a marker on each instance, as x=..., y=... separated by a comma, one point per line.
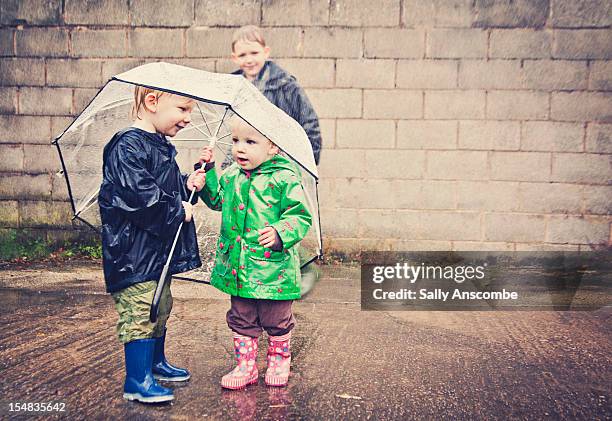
x=218, y=97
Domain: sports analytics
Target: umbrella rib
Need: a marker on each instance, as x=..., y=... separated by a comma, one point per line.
x=111, y=104
x=87, y=207
x=203, y=118
x=222, y=151
x=221, y=122
x=223, y=137
x=224, y=143
x=195, y=126
x=90, y=203
x=195, y=139
x=201, y=131
x=218, y=130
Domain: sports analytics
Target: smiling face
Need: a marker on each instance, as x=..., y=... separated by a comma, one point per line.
x=250, y=56
x=173, y=114
x=164, y=113
x=250, y=148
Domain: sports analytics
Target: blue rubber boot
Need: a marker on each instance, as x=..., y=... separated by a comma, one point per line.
x=140, y=385
x=162, y=369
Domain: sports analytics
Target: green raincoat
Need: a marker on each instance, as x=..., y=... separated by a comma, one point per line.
x=270, y=195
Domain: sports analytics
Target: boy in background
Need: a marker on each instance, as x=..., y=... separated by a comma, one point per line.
x=251, y=54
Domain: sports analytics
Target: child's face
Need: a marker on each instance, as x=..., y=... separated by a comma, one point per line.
x=250, y=57
x=250, y=148
x=171, y=113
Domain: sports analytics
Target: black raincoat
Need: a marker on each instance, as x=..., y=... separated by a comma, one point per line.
x=141, y=208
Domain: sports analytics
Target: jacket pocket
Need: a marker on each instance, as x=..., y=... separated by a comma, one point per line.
x=268, y=267
x=222, y=258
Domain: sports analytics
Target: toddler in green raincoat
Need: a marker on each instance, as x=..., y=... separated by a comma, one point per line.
x=264, y=215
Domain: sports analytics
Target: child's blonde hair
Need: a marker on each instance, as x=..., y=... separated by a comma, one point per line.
x=140, y=93
x=248, y=33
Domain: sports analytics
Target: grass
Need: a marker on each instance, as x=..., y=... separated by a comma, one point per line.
x=93, y=251
x=21, y=245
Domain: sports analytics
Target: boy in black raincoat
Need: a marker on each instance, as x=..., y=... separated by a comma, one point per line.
x=142, y=202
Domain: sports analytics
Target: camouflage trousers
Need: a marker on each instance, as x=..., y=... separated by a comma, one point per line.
x=134, y=305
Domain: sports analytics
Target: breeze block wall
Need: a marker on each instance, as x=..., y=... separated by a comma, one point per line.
x=447, y=124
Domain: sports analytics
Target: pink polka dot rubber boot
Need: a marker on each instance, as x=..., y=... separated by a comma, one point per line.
x=245, y=372
x=279, y=360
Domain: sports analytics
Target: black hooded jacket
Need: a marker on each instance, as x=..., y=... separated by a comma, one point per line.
x=141, y=208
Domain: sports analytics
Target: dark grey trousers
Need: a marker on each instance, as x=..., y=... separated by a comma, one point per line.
x=250, y=316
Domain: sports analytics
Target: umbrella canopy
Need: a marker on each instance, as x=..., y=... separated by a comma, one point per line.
x=218, y=97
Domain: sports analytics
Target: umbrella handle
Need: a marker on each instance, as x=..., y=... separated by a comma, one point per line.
x=207, y=167
x=212, y=142
x=153, y=313
x=164, y=275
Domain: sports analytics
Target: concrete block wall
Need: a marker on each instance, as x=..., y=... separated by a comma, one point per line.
x=447, y=124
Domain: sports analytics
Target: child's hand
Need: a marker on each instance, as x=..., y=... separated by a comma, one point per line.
x=267, y=237
x=206, y=155
x=188, y=211
x=196, y=180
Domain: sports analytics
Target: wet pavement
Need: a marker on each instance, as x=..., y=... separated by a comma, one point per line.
x=58, y=344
